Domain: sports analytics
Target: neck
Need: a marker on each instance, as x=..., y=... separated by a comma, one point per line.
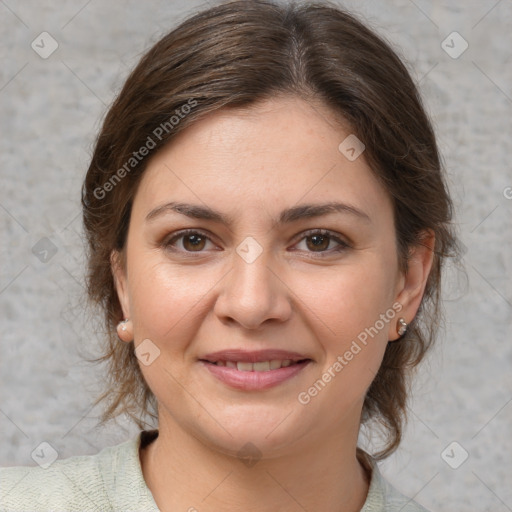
x=184, y=473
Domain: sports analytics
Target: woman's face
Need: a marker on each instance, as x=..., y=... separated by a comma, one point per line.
x=268, y=276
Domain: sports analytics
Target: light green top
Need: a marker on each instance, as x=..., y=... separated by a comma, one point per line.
x=112, y=480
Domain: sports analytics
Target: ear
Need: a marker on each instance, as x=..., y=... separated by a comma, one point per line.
x=119, y=272
x=411, y=285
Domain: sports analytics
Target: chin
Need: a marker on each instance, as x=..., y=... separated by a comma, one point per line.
x=265, y=432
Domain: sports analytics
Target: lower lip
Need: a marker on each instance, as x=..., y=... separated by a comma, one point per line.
x=249, y=381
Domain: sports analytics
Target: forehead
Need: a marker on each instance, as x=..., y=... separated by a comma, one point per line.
x=279, y=152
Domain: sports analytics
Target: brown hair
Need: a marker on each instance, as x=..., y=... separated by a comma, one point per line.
x=234, y=55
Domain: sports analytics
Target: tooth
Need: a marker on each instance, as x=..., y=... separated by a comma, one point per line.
x=263, y=366
x=286, y=362
x=230, y=364
x=244, y=367
x=275, y=364
x=221, y=363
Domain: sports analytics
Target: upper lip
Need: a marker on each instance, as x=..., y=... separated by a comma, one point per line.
x=246, y=356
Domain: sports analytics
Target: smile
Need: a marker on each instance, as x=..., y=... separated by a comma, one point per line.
x=255, y=376
x=262, y=366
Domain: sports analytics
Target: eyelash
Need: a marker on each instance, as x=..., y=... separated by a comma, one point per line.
x=323, y=232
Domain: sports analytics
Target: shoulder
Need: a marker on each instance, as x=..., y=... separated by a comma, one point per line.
x=383, y=497
x=66, y=484
x=79, y=483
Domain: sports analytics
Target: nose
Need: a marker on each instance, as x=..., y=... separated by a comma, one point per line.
x=253, y=294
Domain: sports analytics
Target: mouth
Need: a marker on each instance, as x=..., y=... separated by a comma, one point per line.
x=260, y=366
x=254, y=371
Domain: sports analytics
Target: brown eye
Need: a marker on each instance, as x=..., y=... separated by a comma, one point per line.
x=191, y=241
x=194, y=242
x=322, y=242
x=318, y=242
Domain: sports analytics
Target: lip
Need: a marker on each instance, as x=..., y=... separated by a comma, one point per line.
x=254, y=380
x=254, y=356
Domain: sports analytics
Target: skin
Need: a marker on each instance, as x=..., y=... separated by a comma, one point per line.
x=251, y=164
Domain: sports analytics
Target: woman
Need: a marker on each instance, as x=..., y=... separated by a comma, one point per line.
x=267, y=219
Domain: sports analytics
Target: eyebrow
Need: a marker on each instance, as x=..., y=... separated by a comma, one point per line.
x=306, y=211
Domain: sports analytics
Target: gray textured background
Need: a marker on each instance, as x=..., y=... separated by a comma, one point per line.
x=50, y=111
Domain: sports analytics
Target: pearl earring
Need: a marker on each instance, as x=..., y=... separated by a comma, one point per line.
x=401, y=327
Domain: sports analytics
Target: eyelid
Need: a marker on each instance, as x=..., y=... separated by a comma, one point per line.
x=326, y=232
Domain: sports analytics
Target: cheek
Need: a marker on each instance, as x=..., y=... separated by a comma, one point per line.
x=166, y=299
x=351, y=298
x=348, y=313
